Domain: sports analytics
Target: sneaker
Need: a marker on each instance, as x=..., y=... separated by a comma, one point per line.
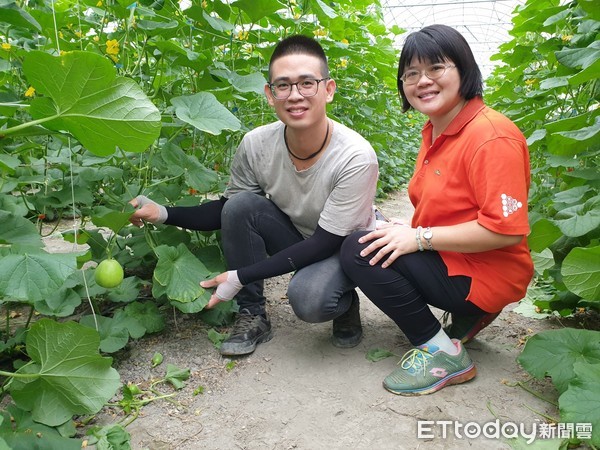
x=347, y=330
x=421, y=372
x=248, y=331
x=465, y=328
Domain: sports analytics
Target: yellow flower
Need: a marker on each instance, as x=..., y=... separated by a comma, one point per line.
x=566, y=37
x=6, y=46
x=99, y=3
x=242, y=35
x=297, y=16
x=531, y=81
x=204, y=4
x=345, y=41
x=112, y=47
x=96, y=38
x=320, y=32
x=343, y=62
x=60, y=35
x=78, y=34
x=30, y=92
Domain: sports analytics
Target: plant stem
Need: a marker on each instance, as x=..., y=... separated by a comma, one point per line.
x=19, y=375
x=25, y=125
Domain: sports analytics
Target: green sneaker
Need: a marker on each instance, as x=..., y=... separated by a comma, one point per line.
x=421, y=372
x=465, y=328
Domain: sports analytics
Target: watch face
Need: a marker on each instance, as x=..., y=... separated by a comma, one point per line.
x=427, y=234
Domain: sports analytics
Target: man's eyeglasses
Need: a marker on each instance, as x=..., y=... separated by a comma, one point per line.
x=307, y=88
x=432, y=72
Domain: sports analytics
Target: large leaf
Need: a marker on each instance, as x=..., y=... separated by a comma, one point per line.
x=109, y=218
x=203, y=111
x=113, y=334
x=581, y=272
x=148, y=313
x=11, y=13
x=19, y=430
x=18, y=230
x=67, y=374
x=180, y=273
x=34, y=276
x=543, y=234
x=579, y=219
x=554, y=352
x=257, y=9
x=83, y=95
x=579, y=403
x=580, y=57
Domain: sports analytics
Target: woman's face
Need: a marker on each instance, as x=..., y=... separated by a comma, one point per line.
x=434, y=98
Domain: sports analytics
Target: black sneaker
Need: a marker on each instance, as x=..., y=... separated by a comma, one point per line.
x=347, y=330
x=248, y=331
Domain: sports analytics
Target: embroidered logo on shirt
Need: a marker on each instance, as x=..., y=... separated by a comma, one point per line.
x=509, y=205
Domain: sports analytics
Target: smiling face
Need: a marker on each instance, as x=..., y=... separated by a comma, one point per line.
x=296, y=111
x=439, y=98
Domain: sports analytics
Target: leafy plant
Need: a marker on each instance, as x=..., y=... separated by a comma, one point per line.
x=572, y=359
x=548, y=85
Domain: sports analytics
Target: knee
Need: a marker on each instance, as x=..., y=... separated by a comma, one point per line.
x=306, y=303
x=350, y=251
x=240, y=206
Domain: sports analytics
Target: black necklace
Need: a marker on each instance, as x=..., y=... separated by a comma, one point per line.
x=312, y=155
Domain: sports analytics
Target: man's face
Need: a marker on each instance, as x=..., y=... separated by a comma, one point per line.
x=297, y=111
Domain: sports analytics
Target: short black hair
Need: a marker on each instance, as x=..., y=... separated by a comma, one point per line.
x=436, y=43
x=300, y=45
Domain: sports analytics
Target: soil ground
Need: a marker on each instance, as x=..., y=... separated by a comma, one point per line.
x=297, y=391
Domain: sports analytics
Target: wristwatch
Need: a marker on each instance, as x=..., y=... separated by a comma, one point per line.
x=427, y=235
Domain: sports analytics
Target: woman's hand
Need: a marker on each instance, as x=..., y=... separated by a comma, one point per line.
x=393, y=241
x=227, y=284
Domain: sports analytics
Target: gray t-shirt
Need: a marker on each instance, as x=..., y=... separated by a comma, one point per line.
x=337, y=192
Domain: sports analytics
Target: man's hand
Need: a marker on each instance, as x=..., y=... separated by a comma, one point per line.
x=147, y=211
x=227, y=284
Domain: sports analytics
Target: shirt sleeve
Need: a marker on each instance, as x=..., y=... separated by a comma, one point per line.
x=499, y=175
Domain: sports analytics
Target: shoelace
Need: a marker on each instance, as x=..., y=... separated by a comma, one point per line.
x=416, y=359
x=243, y=323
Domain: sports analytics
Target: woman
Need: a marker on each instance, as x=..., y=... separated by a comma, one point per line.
x=466, y=252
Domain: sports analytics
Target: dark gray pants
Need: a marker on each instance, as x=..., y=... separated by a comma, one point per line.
x=253, y=228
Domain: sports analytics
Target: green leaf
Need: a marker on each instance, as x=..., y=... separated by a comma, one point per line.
x=543, y=260
x=579, y=403
x=257, y=9
x=554, y=352
x=217, y=23
x=34, y=276
x=377, y=354
x=68, y=375
x=61, y=303
x=543, y=234
x=580, y=57
x=113, y=334
x=11, y=13
x=83, y=95
x=581, y=272
x=203, y=111
x=148, y=313
x=176, y=376
x=18, y=230
x=104, y=217
x=20, y=432
x=134, y=325
x=579, y=219
x=180, y=272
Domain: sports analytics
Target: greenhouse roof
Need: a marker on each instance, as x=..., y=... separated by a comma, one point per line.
x=484, y=23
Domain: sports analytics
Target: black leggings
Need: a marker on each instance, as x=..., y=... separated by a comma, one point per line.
x=404, y=290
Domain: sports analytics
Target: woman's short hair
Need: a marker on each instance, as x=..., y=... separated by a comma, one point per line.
x=434, y=44
x=300, y=45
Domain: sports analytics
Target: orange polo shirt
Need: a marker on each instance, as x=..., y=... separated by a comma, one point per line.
x=478, y=169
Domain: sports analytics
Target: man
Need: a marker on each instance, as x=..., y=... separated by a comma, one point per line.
x=297, y=188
